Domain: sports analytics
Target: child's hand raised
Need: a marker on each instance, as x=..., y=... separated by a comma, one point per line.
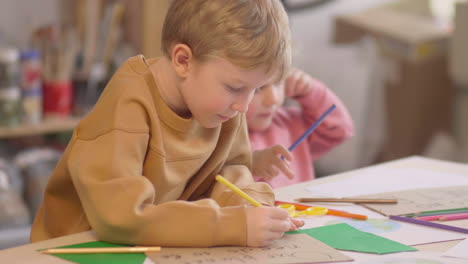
x=298, y=84
x=267, y=163
x=265, y=224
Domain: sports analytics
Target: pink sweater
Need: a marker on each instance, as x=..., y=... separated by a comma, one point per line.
x=289, y=123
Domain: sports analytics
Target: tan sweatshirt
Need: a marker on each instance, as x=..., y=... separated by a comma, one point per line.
x=137, y=173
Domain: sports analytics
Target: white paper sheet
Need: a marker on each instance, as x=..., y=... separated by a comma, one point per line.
x=405, y=233
x=378, y=180
x=458, y=251
x=409, y=258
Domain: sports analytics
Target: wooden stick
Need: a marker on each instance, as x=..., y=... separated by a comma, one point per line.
x=346, y=200
x=100, y=250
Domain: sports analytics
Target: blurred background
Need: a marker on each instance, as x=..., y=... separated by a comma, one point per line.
x=401, y=68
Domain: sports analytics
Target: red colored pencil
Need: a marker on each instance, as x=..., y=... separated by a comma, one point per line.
x=454, y=217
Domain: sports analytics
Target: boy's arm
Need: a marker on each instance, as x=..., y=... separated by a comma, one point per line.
x=335, y=128
x=237, y=170
x=119, y=201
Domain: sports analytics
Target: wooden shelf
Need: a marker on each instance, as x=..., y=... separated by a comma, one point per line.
x=46, y=127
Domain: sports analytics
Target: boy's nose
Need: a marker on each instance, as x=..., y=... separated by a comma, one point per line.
x=242, y=103
x=241, y=107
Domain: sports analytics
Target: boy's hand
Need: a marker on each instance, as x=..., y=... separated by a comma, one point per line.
x=265, y=224
x=267, y=163
x=298, y=84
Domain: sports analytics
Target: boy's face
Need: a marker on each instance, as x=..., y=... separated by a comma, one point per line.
x=263, y=107
x=217, y=90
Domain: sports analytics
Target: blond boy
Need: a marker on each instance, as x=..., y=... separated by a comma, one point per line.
x=140, y=167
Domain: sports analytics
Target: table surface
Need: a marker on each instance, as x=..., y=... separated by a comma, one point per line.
x=27, y=253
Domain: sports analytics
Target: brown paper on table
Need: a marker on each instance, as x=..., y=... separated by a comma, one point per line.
x=299, y=248
x=418, y=200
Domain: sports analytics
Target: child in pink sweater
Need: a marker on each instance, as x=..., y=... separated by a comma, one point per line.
x=274, y=127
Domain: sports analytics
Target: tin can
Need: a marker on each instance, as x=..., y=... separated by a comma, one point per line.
x=31, y=87
x=10, y=106
x=10, y=95
x=9, y=67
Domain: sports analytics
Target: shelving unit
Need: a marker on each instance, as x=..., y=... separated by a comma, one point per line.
x=46, y=127
x=143, y=20
x=20, y=235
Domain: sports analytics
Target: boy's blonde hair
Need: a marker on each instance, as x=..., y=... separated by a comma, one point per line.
x=248, y=33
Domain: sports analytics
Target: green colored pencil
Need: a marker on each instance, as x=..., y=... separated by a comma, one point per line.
x=439, y=212
x=443, y=213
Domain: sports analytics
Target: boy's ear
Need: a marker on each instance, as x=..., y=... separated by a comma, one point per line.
x=182, y=57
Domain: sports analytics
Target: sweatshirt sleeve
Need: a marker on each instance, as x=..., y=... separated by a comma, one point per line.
x=335, y=128
x=237, y=170
x=118, y=200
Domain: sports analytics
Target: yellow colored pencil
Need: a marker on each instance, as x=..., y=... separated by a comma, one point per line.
x=100, y=250
x=241, y=193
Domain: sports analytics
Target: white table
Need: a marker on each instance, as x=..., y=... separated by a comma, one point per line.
x=299, y=190
x=27, y=253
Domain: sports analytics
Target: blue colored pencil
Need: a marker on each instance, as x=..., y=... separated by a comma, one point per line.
x=312, y=128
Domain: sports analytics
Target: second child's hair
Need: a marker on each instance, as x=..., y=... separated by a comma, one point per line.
x=248, y=33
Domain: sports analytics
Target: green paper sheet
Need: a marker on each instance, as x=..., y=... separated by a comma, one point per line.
x=345, y=237
x=114, y=258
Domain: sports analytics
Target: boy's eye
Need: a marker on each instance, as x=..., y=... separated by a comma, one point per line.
x=233, y=89
x=259, y=89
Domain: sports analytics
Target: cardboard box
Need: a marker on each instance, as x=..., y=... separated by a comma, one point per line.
x=459, y=46
x=419, y=99
x=459, y=73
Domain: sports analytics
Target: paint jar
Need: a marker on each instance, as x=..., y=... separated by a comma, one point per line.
x=9, y=67
x=31, y=87
x=10, y=107
x=10, y=94
x=57, y=97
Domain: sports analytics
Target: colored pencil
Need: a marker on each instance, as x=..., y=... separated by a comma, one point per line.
x=439, y=211
x=298, y=206
x=437, y=217
x=312, y=128
x=447, y=212
x=429, y=224
x=454, y=217
x=330, y=211
x=346, y=214
x=100, y=250
x=347, y=200
x=429, y=218
x=241, y=193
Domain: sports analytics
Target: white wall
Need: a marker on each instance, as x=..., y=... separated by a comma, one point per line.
x=346, y=69
x=19, y=17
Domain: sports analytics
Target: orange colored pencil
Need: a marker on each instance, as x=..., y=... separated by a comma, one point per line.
x=346, y=214
x=330, y=211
